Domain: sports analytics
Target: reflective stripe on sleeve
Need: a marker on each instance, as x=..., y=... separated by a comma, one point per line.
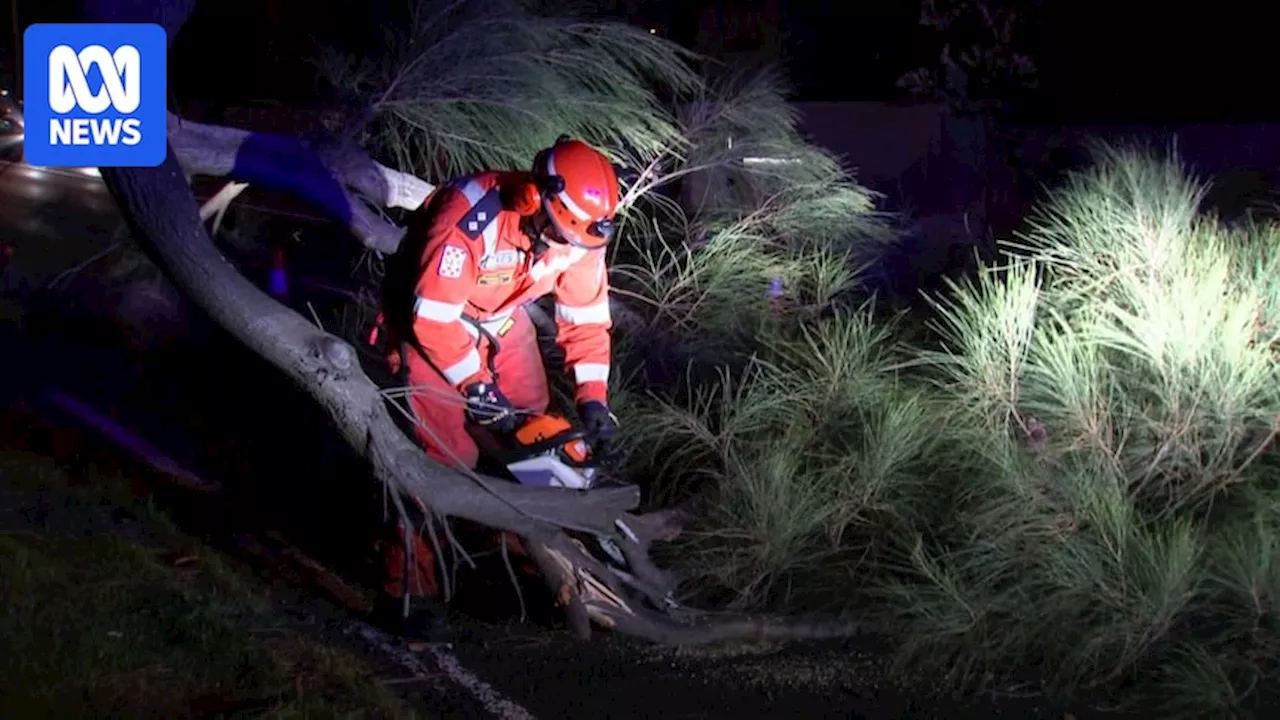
x=584, y=314
x=436, y=311
x=590, y=372
x=463, y=369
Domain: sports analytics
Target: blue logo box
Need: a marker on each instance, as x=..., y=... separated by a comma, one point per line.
x=96, y=95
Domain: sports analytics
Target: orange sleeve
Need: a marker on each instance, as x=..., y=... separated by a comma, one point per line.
x=582, y=325
x=449, y=271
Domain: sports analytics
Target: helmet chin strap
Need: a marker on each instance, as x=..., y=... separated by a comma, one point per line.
x=537, y=227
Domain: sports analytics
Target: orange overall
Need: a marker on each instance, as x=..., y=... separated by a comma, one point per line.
x=477, y=269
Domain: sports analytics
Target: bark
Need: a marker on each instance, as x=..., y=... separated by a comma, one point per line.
x=337, y=180
x=162, y=212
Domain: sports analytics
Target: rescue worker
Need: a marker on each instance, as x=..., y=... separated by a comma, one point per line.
x=479, y=250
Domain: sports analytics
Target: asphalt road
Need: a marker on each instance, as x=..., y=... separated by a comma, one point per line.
x=68, y=211
x=55, y=219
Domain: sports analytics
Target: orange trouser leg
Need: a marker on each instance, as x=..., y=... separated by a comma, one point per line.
x=439, y=411
x=441, y=428
x=522, y=376
x=421, y=576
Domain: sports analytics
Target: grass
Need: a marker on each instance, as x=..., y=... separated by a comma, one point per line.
x=110, y=611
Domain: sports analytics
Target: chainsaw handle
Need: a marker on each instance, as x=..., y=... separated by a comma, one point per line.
x=599, y=448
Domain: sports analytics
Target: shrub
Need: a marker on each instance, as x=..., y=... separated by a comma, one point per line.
x=1078, y=482
x=1117, y=380
x=784, y=401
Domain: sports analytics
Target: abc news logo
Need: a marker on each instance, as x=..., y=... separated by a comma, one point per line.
x=96, y=94
x=69, y=91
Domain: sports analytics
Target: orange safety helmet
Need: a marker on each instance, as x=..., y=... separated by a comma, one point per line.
x=579, y=189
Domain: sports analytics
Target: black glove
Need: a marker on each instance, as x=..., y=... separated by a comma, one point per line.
x=489, y=408
x=597, y=422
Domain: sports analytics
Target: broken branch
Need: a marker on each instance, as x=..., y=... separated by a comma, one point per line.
x=709, y=629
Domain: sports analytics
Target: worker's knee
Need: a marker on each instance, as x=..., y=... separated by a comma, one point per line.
x=439, y=420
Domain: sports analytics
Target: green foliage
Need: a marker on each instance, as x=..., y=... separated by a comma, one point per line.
x=473, y=85
x=1075, y=484
x=1122, y=374
x=757, y=206
x=790, y=411
x=807, y=450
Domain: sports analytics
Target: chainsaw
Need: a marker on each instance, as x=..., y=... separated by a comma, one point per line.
x=547, y=450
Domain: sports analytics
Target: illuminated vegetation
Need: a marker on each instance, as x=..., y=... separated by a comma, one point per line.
x=1078, y=478
x=1071, y=475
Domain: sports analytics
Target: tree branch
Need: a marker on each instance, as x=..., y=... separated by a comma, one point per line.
x=338, y=180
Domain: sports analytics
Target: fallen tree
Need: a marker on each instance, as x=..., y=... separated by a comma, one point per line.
x=338, y=179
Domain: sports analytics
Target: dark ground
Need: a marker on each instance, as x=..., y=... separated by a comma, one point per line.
x=545, y=671
x=190, y=402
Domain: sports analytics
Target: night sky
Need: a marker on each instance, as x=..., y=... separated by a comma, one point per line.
x=1100, y=61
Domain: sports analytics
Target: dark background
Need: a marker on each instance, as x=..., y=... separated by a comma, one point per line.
x=1100, y=61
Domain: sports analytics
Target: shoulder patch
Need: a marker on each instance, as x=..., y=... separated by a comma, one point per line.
x=452, y=262
x=481, y=215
